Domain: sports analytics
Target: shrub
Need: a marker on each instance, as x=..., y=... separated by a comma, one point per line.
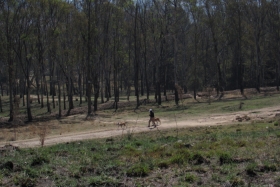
x=42, y=133
x=199, y=159
x=138, y=171
x=190, y=178
x=8, y=165
x=39, y=161
x=278, y=134
x=177, y=159
x=270, y=129
x=31, y=173
x=103, y=181
x=241, y=143
x=236, y=181
x=130, y=134
x=225, y=158
x=250, y=169
x=22, y=180
x=269, y=167
x=163, y=164
x=186, y=154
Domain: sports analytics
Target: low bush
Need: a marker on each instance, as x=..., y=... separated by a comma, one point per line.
x=103, y=181
x=190, y=178
x=138, y=171
x=225, y=158
x=39, y=161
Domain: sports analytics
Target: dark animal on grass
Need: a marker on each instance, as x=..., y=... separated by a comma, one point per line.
x=122, y=124
x=156, y=120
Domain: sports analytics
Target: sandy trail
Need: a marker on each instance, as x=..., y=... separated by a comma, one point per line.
x=204, y=120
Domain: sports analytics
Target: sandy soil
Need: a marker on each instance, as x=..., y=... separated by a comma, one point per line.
x=205, y=120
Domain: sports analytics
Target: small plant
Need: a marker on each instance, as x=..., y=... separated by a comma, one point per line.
x=129, y=134
x=103, y=181
x=129, y=150
x=240, y=105
x=238, y=130
x=241, y=143
x=270, y=129
x=269, y=167
x=216, y=177
x=250, y=169
x=190, y=178
x=237, y=181
x=1, y=179
x=199, y=159
x=39, y=161
x=8, y=165
x=42, y=133
x=278, y=181
x=225, y=158
x=163, y=164
x=138, y=171
x=24, y=180
x=277, y=134
x=177, y=159
x=32, y=173
x=276, y=123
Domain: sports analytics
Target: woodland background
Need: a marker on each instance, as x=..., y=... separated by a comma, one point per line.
x=95, y=49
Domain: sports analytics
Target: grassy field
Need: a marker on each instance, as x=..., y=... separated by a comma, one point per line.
x=235, y=155
x=107, y=117
x=243, y=154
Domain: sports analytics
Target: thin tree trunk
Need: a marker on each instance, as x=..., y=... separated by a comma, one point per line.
x=29, y=115
x=47, y=92
x=59, y=99
x=11, y=71
x=1, y=109
x=69, y=87
x=136, y=63
x=96, y=92
x=80, y=87
x=89, y=81
x=102, y=84
x=258, y=63
x=37, y=89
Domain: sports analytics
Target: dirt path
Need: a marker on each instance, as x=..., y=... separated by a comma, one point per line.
x=205, y=120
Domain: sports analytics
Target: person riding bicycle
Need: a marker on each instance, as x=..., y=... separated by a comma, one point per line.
x=152, y=118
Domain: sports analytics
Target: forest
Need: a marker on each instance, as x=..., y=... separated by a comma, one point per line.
x=93, y=49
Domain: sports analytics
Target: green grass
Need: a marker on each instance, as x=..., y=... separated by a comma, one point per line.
x=240, y=154
x=188, y=106
x=223, y=155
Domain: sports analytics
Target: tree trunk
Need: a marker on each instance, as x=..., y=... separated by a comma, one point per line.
x=102, y=83
x=258, y=63
x=37, y=89
x=277, y=75
x=10, y=70
x=96, y=92
x=1, y=109
x=89, y=81
x=69, y=88
x=42, y=93
x=136, y=62
x=80, y=87
x=47, y=92
x=59, y=99
x=29, y=115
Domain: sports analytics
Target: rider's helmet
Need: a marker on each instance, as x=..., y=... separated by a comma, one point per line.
x=151, y=110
